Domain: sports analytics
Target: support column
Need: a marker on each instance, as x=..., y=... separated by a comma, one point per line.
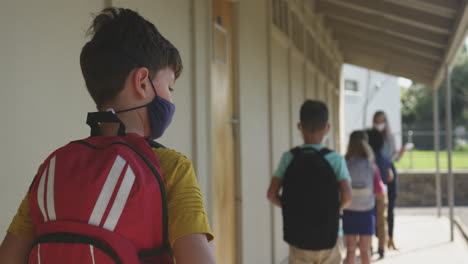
x=436, y=119
x=448, y=136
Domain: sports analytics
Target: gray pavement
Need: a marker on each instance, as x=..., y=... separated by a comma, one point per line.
x=459, y=211
x=424, y=238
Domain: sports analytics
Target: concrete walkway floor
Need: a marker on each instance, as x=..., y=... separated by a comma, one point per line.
x=424, y=238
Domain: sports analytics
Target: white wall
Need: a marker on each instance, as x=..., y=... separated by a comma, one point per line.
x=281, y=131
x=254, y=130
x=386, y=98
x=43, y=99
x=310, y=82
x=332, y=109
x=297, y=93
x=201, y=62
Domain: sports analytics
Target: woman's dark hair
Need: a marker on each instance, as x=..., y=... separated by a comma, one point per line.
x=358, y=146
x=122, y=40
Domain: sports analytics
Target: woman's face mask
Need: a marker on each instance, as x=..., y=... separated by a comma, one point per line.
x=380, y=126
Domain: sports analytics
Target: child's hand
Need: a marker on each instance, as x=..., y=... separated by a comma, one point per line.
x=273, y=191
x=391, y=177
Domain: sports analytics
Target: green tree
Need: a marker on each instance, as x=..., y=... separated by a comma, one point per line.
x=417, y=99
x=417, y=110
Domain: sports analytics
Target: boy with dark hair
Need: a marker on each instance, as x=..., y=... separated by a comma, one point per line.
x=129, y=69
x=315, y=186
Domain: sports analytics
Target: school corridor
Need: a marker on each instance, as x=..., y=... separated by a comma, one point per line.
x=248, y=67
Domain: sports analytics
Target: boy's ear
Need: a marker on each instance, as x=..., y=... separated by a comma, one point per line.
x=299, y=126
x=327, y=128
x=140, y=82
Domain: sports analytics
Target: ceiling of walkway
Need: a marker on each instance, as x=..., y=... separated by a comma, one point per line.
x=408, y=38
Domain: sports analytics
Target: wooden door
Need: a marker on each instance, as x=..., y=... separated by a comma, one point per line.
x=224, y=134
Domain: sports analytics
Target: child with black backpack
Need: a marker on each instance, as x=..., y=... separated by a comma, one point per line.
x=359, y=217
x=312, y=186
x=117, y=196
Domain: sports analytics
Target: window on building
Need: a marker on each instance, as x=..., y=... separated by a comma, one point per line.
x=351, y=86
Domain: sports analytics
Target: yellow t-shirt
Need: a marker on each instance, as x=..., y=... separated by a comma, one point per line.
x=186, y=210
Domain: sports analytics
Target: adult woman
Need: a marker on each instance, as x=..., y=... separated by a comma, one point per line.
x=380, y=123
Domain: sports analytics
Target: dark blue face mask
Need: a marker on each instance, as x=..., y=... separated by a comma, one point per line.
x=160, y=113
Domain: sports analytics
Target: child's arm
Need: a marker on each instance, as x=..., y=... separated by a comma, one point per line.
x=345, y=191
x=273, y=191
x=15, y=249
x=193, y=249
x=18, y=241
x=189, y=229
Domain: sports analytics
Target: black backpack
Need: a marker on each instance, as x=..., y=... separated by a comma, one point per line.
x=310, y=201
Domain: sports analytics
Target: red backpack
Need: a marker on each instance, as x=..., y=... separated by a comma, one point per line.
x=100, y=200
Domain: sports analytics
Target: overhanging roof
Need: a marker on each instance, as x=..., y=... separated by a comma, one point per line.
x=409, y=38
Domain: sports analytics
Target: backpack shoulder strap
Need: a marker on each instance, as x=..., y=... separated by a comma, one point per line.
x=155, y=144
x=296, y=151
x=323, y=152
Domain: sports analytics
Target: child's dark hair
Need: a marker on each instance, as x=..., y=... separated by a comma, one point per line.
x=314, y=115
x=376, y=140
x=122, y=40
x=358, y=146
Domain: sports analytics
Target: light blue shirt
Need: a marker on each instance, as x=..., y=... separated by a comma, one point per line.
x=388, y=149
x=337, y=162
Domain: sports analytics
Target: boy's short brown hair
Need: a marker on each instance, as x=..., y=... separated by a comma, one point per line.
x=121, y=41
x=314, y=115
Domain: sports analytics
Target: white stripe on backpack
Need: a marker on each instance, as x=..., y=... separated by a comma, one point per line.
x=40, y=195
x=107, y=191
x=50, y=190
x=39, y=254
x=120, y=200
x=91, y=250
